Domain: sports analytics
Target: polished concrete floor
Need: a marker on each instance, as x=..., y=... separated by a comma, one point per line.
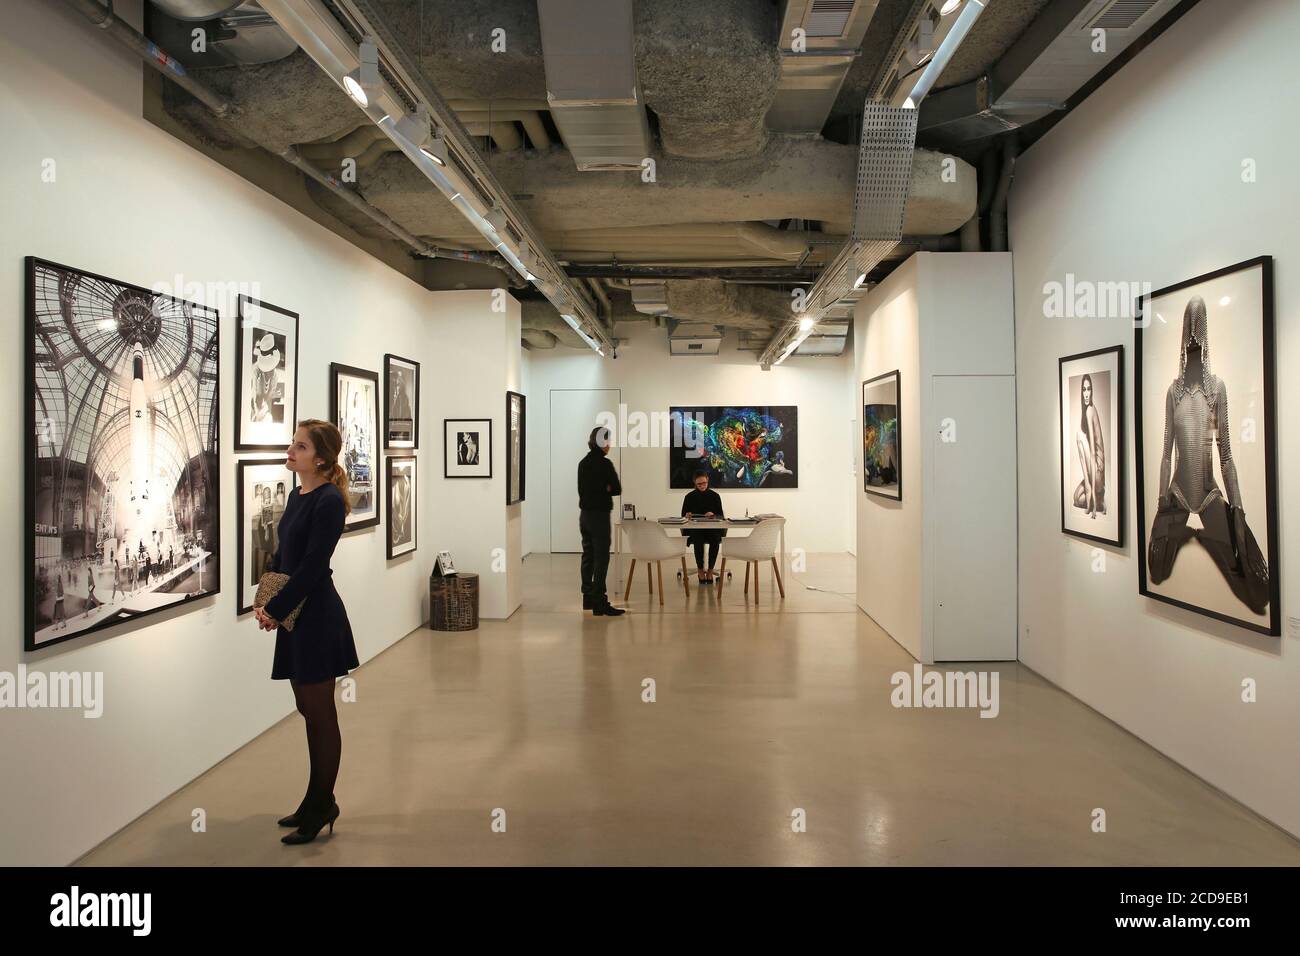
x=757, y=712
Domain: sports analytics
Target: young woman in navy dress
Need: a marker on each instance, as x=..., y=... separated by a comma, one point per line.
x=320, y=647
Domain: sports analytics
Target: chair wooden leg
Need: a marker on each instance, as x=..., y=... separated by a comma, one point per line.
x=755, y=582
x=686, y=578
x=630, y=571
x=649, y=578
x=746, y=577
x=776, y=572
x=659, y=569
x=722, y=576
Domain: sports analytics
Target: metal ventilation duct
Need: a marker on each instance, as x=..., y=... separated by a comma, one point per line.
x=591, y=82
x=1042, y=70
x=694, y=338
x=810, y=80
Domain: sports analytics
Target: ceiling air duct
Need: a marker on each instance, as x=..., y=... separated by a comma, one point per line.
x=819, y=40
x=591, y=84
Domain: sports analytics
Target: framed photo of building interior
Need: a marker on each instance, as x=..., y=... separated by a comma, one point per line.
x=1206, y=446
x=266, y=376
x=467, y=447
x=123, y=502
x=401, y=402
x=354, y=409
x=401, y=504
x=264, y=488
x=882, y=457
x=516, y=444
x=1091, y=418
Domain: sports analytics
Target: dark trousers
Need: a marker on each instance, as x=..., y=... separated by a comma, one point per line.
x=699, y=539
x=595, y=528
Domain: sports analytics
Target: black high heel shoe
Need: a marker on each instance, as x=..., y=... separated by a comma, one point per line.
x=295, y=818
x=310, y=826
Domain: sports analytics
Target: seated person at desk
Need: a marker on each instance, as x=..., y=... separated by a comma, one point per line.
x=703, y=503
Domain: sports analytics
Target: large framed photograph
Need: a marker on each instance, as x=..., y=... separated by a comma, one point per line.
x=467, y=447
x=121, y=451
x=354, y=408
x=264, y=489
x=401, y=505
x=266, y=376
x=740, y=446
x=1091, y=409
x=401, y=402
x=1206, y=446
x=882, y=459
x=516, y=445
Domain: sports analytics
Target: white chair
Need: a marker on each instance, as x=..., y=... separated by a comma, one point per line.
x=648, y=542
x=759, y=545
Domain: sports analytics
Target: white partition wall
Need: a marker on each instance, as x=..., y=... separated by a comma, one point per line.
x=937, y=569
x=1177, y=166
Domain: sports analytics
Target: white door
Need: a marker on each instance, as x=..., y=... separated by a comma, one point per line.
x=974, y=517
x=573, y=416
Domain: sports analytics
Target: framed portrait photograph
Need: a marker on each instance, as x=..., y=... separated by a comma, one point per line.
x=264, y=488
x=121, y=453
x=882, y=459
x=354, y=409
x=401, y=505
x=266, y=376
x=516, y=444
x=467, y=448
x=740, y=446
x=1206, y=446
x=1091, y=410
x=401, y=402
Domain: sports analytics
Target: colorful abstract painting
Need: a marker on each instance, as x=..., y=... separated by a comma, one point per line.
x=739, y=446
x=881, y=461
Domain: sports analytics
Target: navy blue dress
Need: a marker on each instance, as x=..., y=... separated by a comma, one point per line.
x=320, y=646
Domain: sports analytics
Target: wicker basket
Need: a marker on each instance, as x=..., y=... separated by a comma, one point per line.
x=453, y=602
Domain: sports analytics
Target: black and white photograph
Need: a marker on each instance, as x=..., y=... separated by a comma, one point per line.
x=354, y=408
x=1091, y=404
x=516, y=445
x=401, y=505
x=467, y=448
x=401, y=402
x=263, y=488
x=1207, y=501
x=122, y=459
x=266, y=382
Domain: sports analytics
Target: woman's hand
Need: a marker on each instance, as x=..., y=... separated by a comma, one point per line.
x=264, y=620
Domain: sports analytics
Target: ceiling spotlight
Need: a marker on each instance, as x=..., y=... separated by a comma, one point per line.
x=436, y=150
x=496, y=218
x=1225, y=300
x=857, y=283
x=364, y=80
x=806, y=323
x=948, y=7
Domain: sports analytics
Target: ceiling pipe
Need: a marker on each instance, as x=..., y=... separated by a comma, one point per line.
x=606, y=314
x=104, y=18
x=998, y=212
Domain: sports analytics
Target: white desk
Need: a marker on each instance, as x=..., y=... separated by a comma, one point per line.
x=715, y=525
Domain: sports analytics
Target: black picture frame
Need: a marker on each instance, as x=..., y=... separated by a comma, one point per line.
x=414, y=441
x=1265, y=264
x=211, y=465
x=241, y=562
x=1120, y=492
x=898, y=392
x=338, y=369
x=516, y=460
x=415, y=500
x=448, y=452
x=241, y=344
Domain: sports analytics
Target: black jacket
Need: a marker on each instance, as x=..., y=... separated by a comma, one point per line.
x=597, y=483
x=701, y=503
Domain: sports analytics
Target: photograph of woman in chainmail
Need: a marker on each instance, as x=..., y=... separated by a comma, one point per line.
x=1200, y=342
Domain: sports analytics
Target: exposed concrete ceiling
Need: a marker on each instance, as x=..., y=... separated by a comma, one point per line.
x=727, y=192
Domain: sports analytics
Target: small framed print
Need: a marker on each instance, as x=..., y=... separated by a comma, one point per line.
x=467, y=448
x=1091, y=406
x=354, y=409
x=442, y=565
x=266, y=376
x=401, y=402
x=516, y=445
x=264, y=489
x=401, y=505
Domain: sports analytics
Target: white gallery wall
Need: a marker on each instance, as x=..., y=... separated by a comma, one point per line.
x=183, y=689
x=1144, y=183
x=651, y=381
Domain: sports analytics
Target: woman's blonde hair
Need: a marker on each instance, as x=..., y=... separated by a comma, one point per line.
x=327, y=441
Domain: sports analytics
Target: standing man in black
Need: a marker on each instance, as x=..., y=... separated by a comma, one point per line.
x=597, y=486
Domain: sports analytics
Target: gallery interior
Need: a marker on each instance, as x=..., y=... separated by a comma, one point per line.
x=944, y=299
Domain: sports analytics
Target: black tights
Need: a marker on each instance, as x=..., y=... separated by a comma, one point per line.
x=698, y=540
x=324, y=741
